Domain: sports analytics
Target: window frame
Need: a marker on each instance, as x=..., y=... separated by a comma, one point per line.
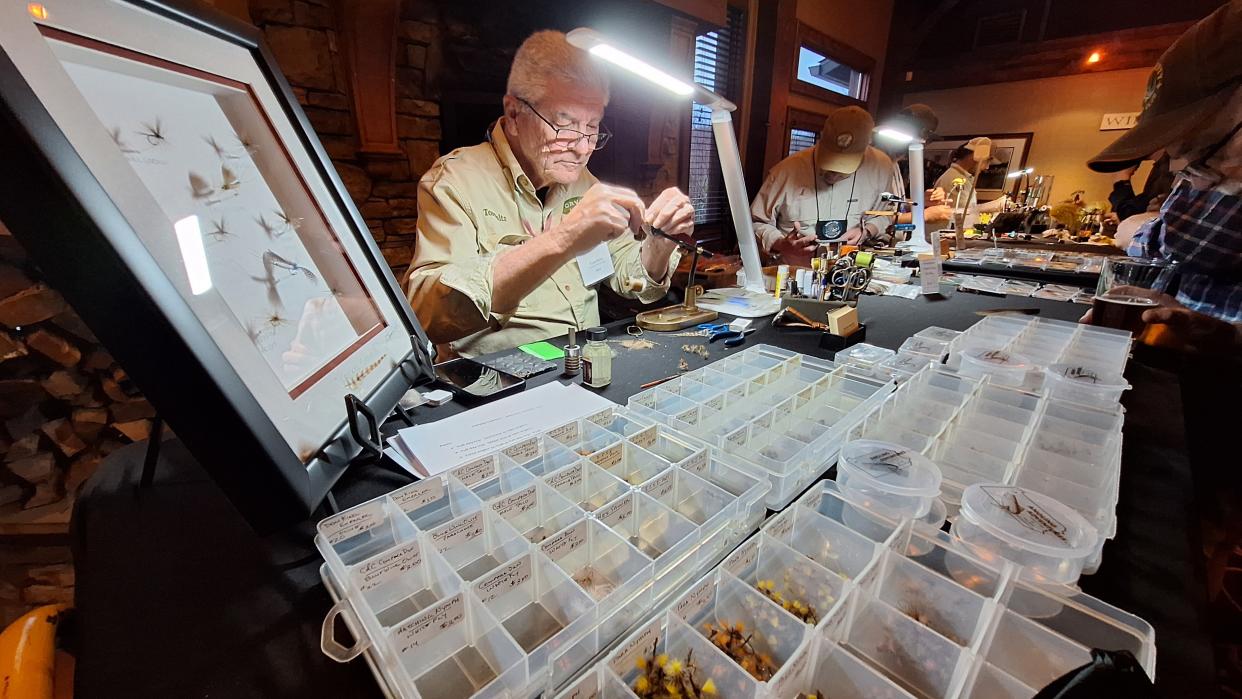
x=841, y=52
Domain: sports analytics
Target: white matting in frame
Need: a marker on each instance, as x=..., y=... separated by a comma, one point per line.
x=176, y=123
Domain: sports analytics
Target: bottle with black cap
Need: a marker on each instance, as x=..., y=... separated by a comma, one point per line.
x=596, y=359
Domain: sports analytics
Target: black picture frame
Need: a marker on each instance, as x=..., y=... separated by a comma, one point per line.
x=57, y=209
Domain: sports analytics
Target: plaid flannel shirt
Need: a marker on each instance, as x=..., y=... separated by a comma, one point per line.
x=1202, y=231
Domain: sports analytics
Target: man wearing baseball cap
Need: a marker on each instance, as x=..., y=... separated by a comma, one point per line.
x=973, y=156
x=1193, y=112
x=825, y=189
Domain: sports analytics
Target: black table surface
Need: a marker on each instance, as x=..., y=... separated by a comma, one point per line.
x=177, y=597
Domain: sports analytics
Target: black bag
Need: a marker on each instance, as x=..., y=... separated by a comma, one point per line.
x=1111, y=673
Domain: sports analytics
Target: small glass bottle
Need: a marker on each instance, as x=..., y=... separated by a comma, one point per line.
x=596, y=359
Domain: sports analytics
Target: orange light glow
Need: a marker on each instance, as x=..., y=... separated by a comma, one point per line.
x=1094, y=57
x=37, y=10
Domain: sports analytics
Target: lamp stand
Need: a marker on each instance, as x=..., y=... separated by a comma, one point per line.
x=751, y=301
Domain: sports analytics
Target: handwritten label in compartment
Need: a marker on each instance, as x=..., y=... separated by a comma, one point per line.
x=781, y=525
x=784, y=409
x=784, y=687
x=412, y=497
x=690, y=417
x=523, y=500
x=739, y=437
x=645, y=399
x=587, y=688
x=566, y=478
x=352, y=522
x=458, y=531
x=610, y=457
x=476, y=471
x=388, y=566
x=659, y=486
x=507, y=578
x=566, y=542
x=744, y=557
x=696, y=600
x=431, y=623
x=697, y=462
x=601, y=418
x=716, y=402
x=567, y=434
x=739, y=390
x=626, y=657
x=617, y=512
x=524, y=450
x=764, y=420
x=645, y=438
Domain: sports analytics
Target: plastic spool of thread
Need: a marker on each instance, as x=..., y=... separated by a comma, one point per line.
x=573, y=355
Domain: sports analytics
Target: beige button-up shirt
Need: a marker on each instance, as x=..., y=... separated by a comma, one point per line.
x=473, y=205
x=790, y=193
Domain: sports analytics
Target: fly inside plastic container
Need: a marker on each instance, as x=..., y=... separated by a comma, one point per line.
x=1085, y=383
x=999, y=366
x=1029, y=528
x=888, y=478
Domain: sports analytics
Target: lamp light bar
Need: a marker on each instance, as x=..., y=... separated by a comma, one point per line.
x=641, y=68
x=894, y=135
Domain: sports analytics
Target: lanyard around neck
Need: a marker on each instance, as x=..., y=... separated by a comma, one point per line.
x=849, y=203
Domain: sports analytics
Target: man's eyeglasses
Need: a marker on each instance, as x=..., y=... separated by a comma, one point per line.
x=570, y=138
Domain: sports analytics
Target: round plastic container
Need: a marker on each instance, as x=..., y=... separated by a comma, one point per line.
x=1051, y=541
x=1085, y=383
x=887, y=478
x=1001, y=367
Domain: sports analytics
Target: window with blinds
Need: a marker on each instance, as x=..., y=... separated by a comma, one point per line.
x=801, y=139
x=718, y=59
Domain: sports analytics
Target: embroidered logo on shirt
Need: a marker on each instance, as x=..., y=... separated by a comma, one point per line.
x=569, y=205
x=493, y=214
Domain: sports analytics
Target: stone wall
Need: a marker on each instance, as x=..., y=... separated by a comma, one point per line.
x=302, y=36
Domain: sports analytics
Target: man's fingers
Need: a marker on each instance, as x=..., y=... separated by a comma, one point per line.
x=628, y=201
x=797, y=228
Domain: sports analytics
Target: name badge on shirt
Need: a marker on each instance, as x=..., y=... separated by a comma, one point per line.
x=595, y=264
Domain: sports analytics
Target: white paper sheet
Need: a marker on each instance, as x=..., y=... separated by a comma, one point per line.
x=439, y=446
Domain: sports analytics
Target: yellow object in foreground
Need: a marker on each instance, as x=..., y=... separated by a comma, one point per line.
x=28, y=653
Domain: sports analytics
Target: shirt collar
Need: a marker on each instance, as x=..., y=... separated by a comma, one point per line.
x=508, y=161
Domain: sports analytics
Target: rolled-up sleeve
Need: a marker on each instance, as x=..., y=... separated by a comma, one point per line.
x=627, y=261
x=764, y=211
x=450, y=280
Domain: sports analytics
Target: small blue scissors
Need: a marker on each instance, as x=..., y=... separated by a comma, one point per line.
x=732, y=338
x=713, y=328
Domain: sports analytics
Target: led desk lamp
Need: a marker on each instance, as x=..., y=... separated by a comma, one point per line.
x=748, y=302
x=902, y=132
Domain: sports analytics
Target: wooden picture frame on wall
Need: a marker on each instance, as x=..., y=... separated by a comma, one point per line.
x=1011, y=149
x=821, y=43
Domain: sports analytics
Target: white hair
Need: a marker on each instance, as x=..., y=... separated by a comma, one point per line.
x=546, y=57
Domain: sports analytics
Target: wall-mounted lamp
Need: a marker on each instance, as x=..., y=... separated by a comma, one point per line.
x=37, y=11
x=752, y=301
x=1094, y=57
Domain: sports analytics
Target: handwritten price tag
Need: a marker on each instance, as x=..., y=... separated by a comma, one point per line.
x=388, y=566
x=414, y=496
x=426, y=626
x=352, y=522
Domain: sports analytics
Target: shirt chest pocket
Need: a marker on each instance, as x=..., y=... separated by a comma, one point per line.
x=801, y=207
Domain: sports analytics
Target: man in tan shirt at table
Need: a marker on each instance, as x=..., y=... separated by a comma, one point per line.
x=503, y=226
x=837, y=179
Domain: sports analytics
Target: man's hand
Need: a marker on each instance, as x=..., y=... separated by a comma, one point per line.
x=934, y=197
x=939, y=212
x=797, y=248
x=672, y=213
x=604, y=213
x=1179, y=327
x=854, y=236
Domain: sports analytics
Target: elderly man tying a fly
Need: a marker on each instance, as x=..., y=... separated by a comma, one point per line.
x=514, y=233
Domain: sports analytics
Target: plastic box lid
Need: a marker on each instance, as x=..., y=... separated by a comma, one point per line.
x=1029, y=520
x=890, y=467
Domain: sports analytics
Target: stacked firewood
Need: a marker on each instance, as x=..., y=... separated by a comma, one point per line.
x=65, y=404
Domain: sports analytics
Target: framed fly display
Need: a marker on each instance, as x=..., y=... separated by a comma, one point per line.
x=162, y=174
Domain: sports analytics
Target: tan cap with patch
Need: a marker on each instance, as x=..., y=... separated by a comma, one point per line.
x=844, y=140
